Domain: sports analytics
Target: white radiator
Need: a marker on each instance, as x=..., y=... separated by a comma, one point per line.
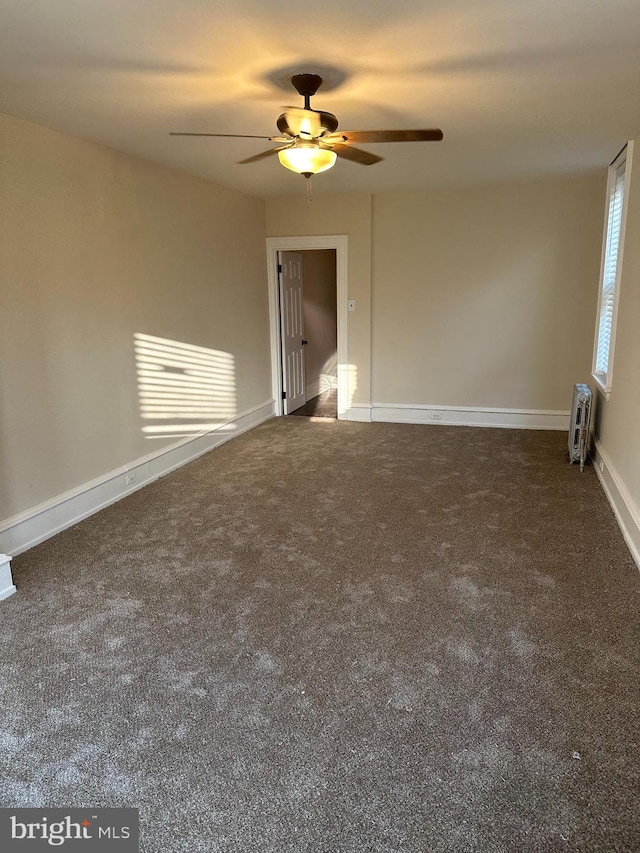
x=579, y=424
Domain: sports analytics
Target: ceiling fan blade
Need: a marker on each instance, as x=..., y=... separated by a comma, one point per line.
x=262, y=155
x=230, y=135
x=356, y=155
x=368, y=136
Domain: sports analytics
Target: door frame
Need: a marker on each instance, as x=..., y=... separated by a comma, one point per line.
x=339, y=242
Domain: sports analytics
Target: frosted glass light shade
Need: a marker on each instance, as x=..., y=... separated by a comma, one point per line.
x=307, y=159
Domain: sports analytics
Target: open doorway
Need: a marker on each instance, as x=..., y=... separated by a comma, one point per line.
x=309, y=332
x=310, y=370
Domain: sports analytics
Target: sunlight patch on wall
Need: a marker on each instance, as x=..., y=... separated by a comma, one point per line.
x=329, y=374
x=328, y=382
x=183, y=389
x=347, y=384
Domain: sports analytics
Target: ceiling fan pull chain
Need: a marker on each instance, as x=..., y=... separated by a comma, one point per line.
x=309, y=197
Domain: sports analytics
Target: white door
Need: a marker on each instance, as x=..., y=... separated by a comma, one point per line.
x=292, y=330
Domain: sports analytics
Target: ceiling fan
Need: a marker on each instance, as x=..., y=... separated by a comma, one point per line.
x=310, y=140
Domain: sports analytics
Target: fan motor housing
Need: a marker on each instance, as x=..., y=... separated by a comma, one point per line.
x=328, y=123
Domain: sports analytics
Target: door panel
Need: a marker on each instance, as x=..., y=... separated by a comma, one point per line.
x=292, y=330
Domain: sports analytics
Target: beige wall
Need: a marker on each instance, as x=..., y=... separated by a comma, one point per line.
x=320, y=325
x=618, y=424
x=96, y=246
x=482, y=297
x=485, y=297
x=291, y=216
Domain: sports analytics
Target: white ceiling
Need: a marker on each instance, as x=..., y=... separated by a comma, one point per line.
x=521, y=88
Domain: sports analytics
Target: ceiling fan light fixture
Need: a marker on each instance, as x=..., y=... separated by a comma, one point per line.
x=307, y=158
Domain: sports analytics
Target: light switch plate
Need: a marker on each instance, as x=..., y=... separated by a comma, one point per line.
x=351, y=305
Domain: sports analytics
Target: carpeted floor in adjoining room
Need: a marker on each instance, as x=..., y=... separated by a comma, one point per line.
x=330, y=637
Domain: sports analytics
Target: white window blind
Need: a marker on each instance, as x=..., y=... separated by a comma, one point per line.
x=610, y=270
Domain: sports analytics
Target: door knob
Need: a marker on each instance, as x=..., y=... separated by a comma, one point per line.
x=304, y=342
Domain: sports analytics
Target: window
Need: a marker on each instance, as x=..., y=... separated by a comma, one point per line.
x=610, y=269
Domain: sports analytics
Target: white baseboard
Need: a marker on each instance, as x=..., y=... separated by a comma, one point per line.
x=623, y=505
x=23, y=531
x=6, y=581
x=470, y=416
x=359, y=412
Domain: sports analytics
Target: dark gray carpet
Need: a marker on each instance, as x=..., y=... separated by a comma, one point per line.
x=336, y=637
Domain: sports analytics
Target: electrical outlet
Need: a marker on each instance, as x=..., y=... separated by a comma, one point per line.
x=131, y=477
x=600, y=465
x=436, y=416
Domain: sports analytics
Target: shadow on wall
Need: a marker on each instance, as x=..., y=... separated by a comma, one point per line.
x=183, y=390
